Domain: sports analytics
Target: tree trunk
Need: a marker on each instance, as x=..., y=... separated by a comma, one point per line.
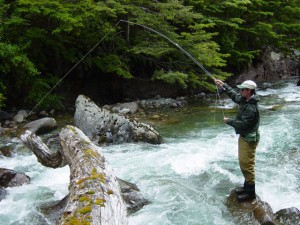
x=94, y=192
x=95, y=196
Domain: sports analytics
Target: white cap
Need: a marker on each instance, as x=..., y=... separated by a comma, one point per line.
x=248, y=84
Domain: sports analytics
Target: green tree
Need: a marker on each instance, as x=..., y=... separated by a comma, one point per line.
x=246, y=27
x=51, y=36
x=48, y=38
x=182, y=25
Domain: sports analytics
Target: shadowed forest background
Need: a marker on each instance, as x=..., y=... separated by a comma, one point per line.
x=40, y=41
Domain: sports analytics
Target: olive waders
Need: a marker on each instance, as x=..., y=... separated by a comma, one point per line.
x=246, y=153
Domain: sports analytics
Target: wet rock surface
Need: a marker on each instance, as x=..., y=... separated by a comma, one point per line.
x=102, y=125
x=253, y=212
x=6, y=151
x=41, y=126
x=11, y=178
x=289, y=216
x=132, y=196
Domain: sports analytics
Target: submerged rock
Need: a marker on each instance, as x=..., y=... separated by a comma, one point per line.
x=3, y=193
x=6, y=151
x=102, y=125
x=53, y=211
x=132, y=196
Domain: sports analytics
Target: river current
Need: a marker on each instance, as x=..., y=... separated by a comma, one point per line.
x=189, y=176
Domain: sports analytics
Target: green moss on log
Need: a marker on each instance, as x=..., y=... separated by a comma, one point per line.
x=85, y=209
x=100, y=201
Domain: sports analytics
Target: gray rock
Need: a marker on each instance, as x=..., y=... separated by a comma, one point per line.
x=102, y=125
x=53, y=211
x=18, y=118
x=124, y=111
x=289, y=216
x=23, y=112
x=107, y=107
x=41, y=126
x=132, y=106
x=132, y=196
x=250, y=212
x=10, y=178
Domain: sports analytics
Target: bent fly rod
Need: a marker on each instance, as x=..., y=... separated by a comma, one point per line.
x=174, y=43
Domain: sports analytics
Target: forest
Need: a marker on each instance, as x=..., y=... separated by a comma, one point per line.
x=40, y=41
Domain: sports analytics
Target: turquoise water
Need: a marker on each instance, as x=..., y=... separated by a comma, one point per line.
x=188, y=177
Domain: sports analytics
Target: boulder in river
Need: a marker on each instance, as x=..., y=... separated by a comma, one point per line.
x=11, y=178
x=102, y=125
x=250, y=212
x=41, y=126
x=132, y=196
x=289, y=216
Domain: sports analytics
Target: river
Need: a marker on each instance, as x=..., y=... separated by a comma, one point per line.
x=189, y=176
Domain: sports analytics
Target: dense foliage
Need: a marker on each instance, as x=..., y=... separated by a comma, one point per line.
x=41, y=40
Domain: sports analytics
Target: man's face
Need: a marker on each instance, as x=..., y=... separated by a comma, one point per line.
x=246, y=93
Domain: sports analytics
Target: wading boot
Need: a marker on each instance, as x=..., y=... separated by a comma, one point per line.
x=249, y=193
x=240, y=190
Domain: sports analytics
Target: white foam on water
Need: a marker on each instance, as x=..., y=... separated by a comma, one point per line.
x=196, y=156
x=46, y=185
x=277, y=167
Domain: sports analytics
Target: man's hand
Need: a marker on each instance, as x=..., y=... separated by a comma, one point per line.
x=219, y=83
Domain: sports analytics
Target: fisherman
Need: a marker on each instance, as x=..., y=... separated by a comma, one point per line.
x=246, y=124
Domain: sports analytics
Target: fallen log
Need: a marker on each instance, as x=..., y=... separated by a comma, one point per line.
x=95, y=196
x=44, y=155
x=94, y=191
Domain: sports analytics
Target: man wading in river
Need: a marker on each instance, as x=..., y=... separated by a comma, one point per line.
x=246, y=125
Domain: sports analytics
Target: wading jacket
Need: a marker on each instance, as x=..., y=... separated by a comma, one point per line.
x=247, y=119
